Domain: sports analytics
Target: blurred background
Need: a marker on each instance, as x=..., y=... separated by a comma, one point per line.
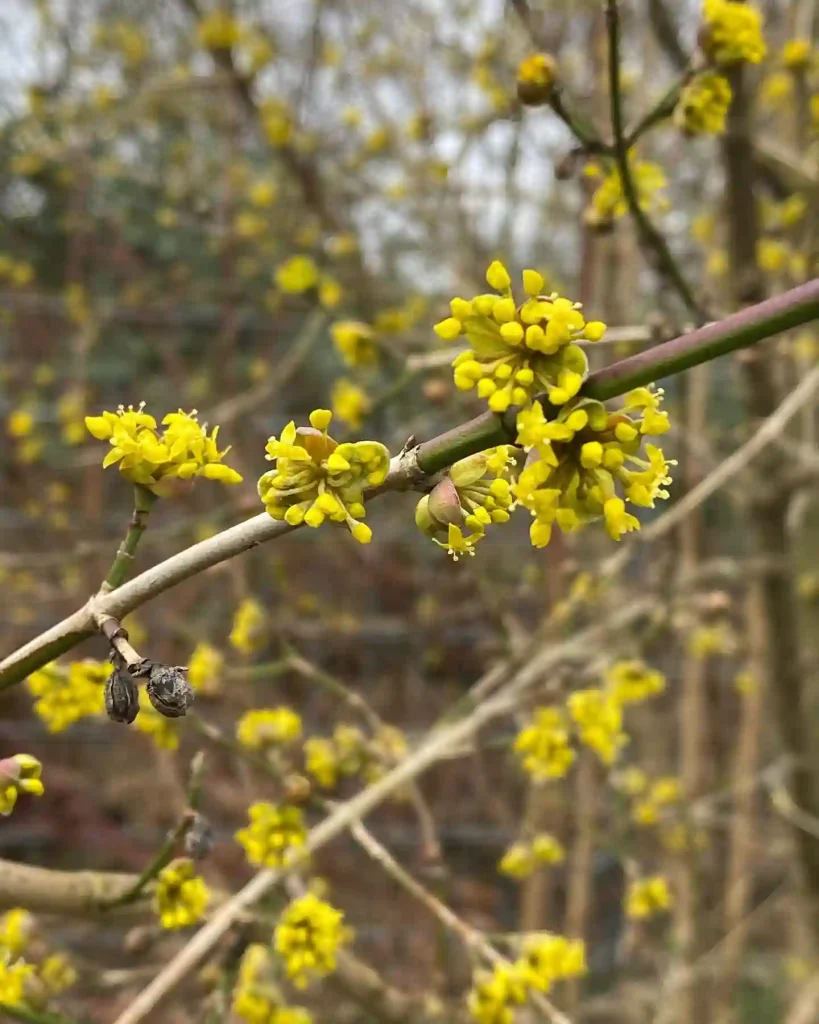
x=192, y=199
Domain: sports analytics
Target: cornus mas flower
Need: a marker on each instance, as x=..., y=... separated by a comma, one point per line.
x=543, y=745
x=549, y=958
x=536, y=79
x=308, y=934
x=256, y=998
x=268, y=727
x=608, y=201
x=18, y=774
x=522, y=858
x=475, y=493
x=519, y=351
x=66, y=693
x=577, y=461
x=647, y=897
x=181, y=895
x=598, y=716
x=731, y=32
x=703, y=105
x=355, y=342
x=350, y=402
x=494, y=995
x=156, y=459
x=631, y=682
x=316, y=478
x=272, y=832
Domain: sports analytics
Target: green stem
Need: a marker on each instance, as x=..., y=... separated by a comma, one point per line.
x=167, y=851
x=121, y=566
x=649, y=235
x=748, y=326
x=32, y=1016
x=485, y=431
x=662, y=109
x=582, y=129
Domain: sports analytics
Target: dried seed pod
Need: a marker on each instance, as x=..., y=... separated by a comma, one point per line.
x=121, y=696
x=199, y=837
x=169, y=691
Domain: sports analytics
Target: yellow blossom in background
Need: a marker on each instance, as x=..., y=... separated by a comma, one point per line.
x=330, y=292
x=772, y=255
x=703, y=105
x=145, y=456
x=350, y=402
x=495, y=994
x=262, y=193
x=256, y=998
x=599, y=718
x=18, y=774
x=608, y=202
x=631, y=682
x=180, y=896
x=548, y=958
x=296, y=275
x=20, y=423
x=518, y=351
x=13, y=982
x=205, y=668
x=711, y=641
x=56, y=973
x=321, y=761
x=248, y=632
x=16, y=927
x=543, y=745
x=647, y=897
x=522, y=858
x=796, y=54
x=746, y=683
x=663, y=793
x=536, y=79
x=163, y=731
x=317, y=479
x=307, y=937
x=355, y=342
x=65, y=694
x=267, y=727
x=732, y=32
x=218, y=30
x=272, y=833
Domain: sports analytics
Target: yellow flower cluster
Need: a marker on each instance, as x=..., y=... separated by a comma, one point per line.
x=647, y=897
x=13, y=982
x=519, y=351
x=476, y=492
x=630, y=682
x=256, y=999
x=796, y=54
x=576, y=461
x=307, y=936
x=536, y=79
x=732, y=32
x=350, y=402
x=18, y=774
x=522, y=858
x=16, y=926
x=651, y=798
x=146, y=456
x=355, y=342
x=64, y=694
x=218, y=30
x=316, y=478
x=296, y=275
x=708, y=641
x=598, y=716
x=181, y=896
x=608, y=201
x=56, y=973
x=205, y=668
x=344, y=755
x=544, y=745
x=545, y=959
x=703, y=105
x=268, y=727
x=272, y=833
x=248, y=632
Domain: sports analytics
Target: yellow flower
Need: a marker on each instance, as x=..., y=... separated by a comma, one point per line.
x=599, y=719
x=647, y=897
x=711, y=641
x=272, y=833
x=163, y=731
x=703, y=105
x=296, y=275
x=350, y=402
x=732, y=32
x=218, y=30
x=549, y=958
x=316, y=478
x=20, y=423
x=519, y=351
x=56, y=973
x=796, y=54
x=330, y=292
x=248, y=632
x=494, y=995
x=181, y=896
x=13, y=982
x=277, y=126
x=256, y=998
x=18, y=774
x=65, y=694
x=608, y=201
x=536, y=79
x=205, y=669
x=307, y=936
x=630, y=682
x=518, y=861
x=544, y=745
x=476, y=492
x=772, y=255
x=146, y=456
x=266, y=727
x=355, y=342
x=321, y=761
x=16, y=926
x=262, y=193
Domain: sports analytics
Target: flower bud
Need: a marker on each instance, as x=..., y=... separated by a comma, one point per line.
x=121, y=696
x=199, y=838
x=169, y=691
x=537, y=76
x=444, y=504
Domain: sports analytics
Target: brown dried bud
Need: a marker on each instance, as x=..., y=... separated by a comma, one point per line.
x=169, y=691
x=297, y=788
x=537, y=75
x=121, y=696
x=199, y=837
